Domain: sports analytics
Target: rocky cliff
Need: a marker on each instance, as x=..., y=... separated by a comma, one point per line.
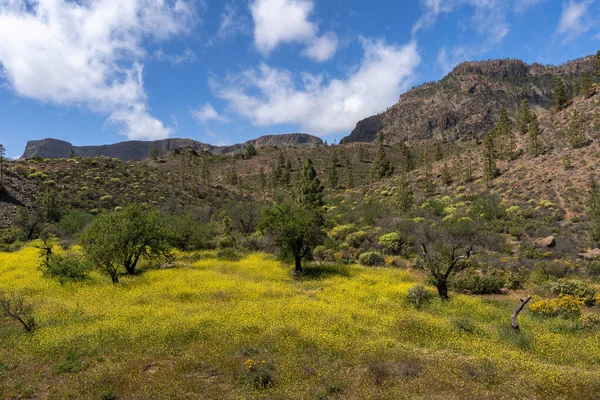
x=466, y=103
x=134, y=150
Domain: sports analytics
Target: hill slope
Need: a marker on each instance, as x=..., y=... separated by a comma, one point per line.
x=466, y=103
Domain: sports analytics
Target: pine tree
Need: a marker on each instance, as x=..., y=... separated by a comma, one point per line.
x=587, y=85
x=231, y=177
x=598, y=64
x=576, y=88
x=382, y=168
x=533, y=141
x=204, y=173
x=446, y=175
x=407, y=159
x=250, y=151
x=560, y=99
x=287, y=173
x=311, y=190
x=154, y=153
x=596, y=125
x=523, y=117
x=593, y=214
x=262, y=179
x=438, y=153
x=502, y=136
x=575, y=133
x=489, y=159
x=71, y=153
x=405, y=197
x=332, y=175
x=350, y=178
x=466, y=168
x=276, y=173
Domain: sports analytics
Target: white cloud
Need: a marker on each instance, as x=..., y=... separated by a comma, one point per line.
x=286, y=21
x=87, y=53
x=322, y=48
x=488, y=20
x=574, y=19
x=175, y=59
x=269, y=96
x=522, y=6
x=232, y=22
x=207, y=113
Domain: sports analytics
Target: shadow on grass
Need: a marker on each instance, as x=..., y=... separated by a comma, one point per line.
x=325, y=270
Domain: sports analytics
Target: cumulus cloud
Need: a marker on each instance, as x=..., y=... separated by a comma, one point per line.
x=88, y=54
x=207, y=113
x=286, y=21
x=269, y=96
x=574, y=19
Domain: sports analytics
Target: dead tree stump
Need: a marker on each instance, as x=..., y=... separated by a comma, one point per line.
x=515, y=314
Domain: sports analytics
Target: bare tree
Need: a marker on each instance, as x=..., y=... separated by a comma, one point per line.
x=446, y=249
x=16, y=307
x=515, y=314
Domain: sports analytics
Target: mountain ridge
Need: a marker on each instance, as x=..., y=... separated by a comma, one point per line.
x=137, y=149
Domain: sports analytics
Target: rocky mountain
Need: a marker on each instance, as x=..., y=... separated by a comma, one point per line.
x=134, y=150
x=466, y=103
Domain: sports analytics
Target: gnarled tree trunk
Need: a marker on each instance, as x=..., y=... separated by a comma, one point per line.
x=515, y=314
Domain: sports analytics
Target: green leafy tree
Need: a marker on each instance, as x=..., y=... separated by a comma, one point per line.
x=523, y=117
x=587, y=85
x=117, y=240
x=154, y=153
x=382, y=167
x=250, y=151
x=50, y=206
x=297, y=229
x=575, y=133
x=490, y=171
x=310, y=193
x=593, y=213
x=560, y=99
x=533, y=138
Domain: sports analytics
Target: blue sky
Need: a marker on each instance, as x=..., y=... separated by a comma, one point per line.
x=104, y=71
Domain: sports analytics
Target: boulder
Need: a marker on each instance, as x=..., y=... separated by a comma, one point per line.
x=547, y=242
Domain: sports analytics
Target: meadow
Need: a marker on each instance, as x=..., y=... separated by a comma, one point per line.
x=213, y=329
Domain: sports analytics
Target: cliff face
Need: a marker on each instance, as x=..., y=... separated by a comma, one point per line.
x=134, y=150
x=466, y=103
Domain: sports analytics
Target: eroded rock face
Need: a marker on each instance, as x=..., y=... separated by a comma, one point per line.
x=466, y=103
x=134, y=150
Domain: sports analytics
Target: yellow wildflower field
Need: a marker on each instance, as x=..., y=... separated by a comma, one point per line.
x=250, y=330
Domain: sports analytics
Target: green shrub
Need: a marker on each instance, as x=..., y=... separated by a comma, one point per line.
x=419, y=296
x=392, y=243
x=371, y=259
x=357, y=238
x=475, y=282
x=574, y=288
x=65, y=268
x=74, y=223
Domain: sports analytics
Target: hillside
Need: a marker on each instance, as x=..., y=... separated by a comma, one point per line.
x=139, y=150
x=466, y=103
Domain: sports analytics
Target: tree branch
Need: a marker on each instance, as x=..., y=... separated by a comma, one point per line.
x=515, y=314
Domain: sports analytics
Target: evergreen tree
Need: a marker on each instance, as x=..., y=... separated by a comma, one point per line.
x=154, y=153
x=50, y=206
x=361, y=153
x=576, y=88
x=560, y=99
x=533, y=141
x=71, y=153
x=523, y=117
x=204, y=173
x=502, y=136
x=438, y=153
x=407, y=159
x=332, y=176
x=587, y=85
x=262, y=179
x=287, y=173
x=231, y=177
x=405, y=197
x=277, y=171
x=593, y=214
x=382, y=168
x=575, y=133
x=466, y=168
x=489, y=159
x=350, y=178
x=311, y=189
x=596, y=125
x=598, y=64
x=2, y=153
x=446, y=175
x=250, y=151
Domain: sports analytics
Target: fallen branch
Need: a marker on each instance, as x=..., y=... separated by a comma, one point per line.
x=515, y=314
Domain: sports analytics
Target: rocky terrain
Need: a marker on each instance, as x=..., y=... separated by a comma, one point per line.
x=139, y=150
x=466, y=103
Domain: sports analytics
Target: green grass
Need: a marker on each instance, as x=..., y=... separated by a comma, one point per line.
x=248, y=329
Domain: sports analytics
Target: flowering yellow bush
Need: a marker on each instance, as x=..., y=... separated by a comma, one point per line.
x=562, y=306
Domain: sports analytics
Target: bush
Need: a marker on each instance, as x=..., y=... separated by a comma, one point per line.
x=419, y=296
x=574, y=288
x=566, y=306
x=591, y=320
x=74, y=223
x=65, y=268
x=357, y=238
x=392, y=243
x=371, y=259
x=475, y=282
